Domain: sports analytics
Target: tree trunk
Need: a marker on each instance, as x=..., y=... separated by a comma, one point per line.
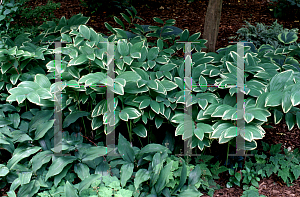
x=211, y=26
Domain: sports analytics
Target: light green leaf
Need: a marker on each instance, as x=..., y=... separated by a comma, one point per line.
x=42, y=129
x=142, y=175
x=70, y=190
x=85, y=31
x=40, y=159
x=94, y=152
x=199, y=133
x=82, y=170
x=123, y=48
x=3, y=170
x=286, y=102
x=21, y=154
x=152, y=54
x=125, y=149
x=154, y=106
x=58, y=165
x=279, y=80
x=86, y=183
x=126, y=172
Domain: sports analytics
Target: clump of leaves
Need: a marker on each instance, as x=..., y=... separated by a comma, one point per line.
x=262, y=34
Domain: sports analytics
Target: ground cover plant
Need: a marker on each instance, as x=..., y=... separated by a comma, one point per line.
x=142, y=96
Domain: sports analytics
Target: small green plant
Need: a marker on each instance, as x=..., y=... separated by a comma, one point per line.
x=235, y=177
x=7, y=14
x=250, y=176
x=28, y=19
x=263, y=34
x=252, y=192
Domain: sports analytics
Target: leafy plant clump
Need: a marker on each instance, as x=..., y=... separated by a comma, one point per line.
x=149, y=84
x=263, y=34
x=27, y=19
x=286, y=166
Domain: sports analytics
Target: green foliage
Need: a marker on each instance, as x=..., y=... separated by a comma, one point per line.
x=263, y=34
x=7, y=14
x=149, y=84
x=28, y=19
x=285, y=166
x=252, y=192
x=282, y=8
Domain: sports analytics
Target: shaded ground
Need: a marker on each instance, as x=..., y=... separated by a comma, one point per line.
x=191, y=16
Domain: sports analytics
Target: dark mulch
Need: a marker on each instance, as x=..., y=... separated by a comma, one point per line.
x=191, y=16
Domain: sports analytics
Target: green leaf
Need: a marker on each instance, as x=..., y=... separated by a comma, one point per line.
x=203, y=103
x=153, y=53
x=33, y=97
x=126, y=17
x=119, y=21
x=125, y=149
x=58, y=165
x=160, y=44
x=94, y=152
x=3, y=170
x=71, y=118
x=86, y=183
x=202, y=83
x=42, y=129
x=25, y=177
x=298, y=119
x=85, y=31
x=40, y=159
x=296, y=171
x=199, y=133
x=21, y=154
x=287, y=37
x=158, y=20
x=163, y=177
x=14, y=78
x=295, y=98
x=192, y=192
x=286, y=101
x=290, y=120
x=140, y=130
x=145, y=103
x=194, y=37
x=153, y=148
x=277, y=116
x=279, y=80
x=273, y=98
x=238, y=176
x=82, y=170
x=154, y=106
x=248, y=117
x=132, y=112
x=184, y=35
x=70, y=190
x=126, y=172
x=142, y=175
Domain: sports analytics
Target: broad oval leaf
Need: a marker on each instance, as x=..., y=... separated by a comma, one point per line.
x=21, y=154
x=71, y=118
x=58, y=165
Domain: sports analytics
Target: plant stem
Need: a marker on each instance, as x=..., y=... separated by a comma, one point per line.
x=227, y=154
x=129, y=131
x=140, y=141
x=84, y=127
